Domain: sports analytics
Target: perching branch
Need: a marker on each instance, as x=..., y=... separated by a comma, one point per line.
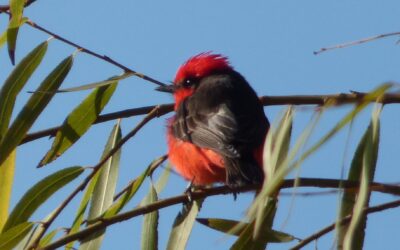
x=152, y=114
x=338, y=99
x=343, y=221
x=207, y=192
x=357, y=42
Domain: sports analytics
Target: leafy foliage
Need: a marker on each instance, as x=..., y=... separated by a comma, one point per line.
x=102, y=206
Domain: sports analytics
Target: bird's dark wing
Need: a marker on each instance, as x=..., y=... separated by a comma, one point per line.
x=224, y=115
x=214, y=130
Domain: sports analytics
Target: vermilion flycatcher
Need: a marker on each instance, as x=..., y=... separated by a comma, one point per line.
x=218, y=131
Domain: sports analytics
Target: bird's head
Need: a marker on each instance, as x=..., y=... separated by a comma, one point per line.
x=190, y=73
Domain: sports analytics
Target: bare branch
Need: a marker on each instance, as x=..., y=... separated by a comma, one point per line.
x=357, y=42
x=343, y=221
x=203, y=193
x=338, y=99
x=90, y=52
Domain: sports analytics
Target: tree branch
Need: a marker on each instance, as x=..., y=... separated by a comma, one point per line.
x=357, y=42
x=97, y=167
x=103, y=223
x=343, y=221
x=338, y=99
x=88, y=51
x=91, y=52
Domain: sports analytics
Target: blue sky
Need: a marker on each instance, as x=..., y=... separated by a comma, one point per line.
x=270, y=42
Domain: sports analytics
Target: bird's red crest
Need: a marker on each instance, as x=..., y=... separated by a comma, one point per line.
x=202, y=65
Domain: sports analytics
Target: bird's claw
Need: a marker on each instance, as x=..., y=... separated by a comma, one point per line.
x=189, y=191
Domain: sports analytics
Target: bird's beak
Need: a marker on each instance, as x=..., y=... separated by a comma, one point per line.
x=166, y=88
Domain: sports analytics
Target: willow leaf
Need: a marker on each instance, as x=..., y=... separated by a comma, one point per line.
x=33, y=108
x=39, y=193
x=79, y=121
x=104, y=190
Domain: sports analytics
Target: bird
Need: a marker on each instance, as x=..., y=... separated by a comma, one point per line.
x=219, y=128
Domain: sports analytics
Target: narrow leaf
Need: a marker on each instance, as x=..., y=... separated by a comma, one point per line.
x=11, y=237
x=104, y=190
x=35, y=233
x=354, y=238
x=6, y=181
x=183, y=225
x=93, y=85
x=32, y=109
x=249, y=238
x=272, y=186
x=226, y=226
x=82, y=208
x=79, y=121
x=16, y=81
x=149, y=239
x=132, y=189
x=349, y=196
x=39, y=193
x=3, y=38
x=16, y=10
x=48, y=237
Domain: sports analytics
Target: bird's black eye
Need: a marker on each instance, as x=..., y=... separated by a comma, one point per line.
x=188, y=83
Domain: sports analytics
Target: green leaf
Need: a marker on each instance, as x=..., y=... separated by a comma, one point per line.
x=39, y=193
x=226, y=226
x=183, y=225
x=3, y=38
x=79, y=121
x=275, y=157
x=32, y=109
x=16, y=10
x=149, y=239
x=163, y=179
x=35, y=233
x=82, y=208
x=131, y=190
x=103, y=193
x=6, y=181
x=354, y=238
x=249, y=238
x=16, y=81
x=48, y=237
x=93, y=85
x=246, y=241
x=349, y=196
x=272, y=186
x=11, y=237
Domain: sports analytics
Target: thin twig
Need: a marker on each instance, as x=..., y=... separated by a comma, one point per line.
x=203, y=193
x=357, y=42
x=338, y=99
x=162, y=109
x=343, y=221
x=97, y=167
x=91, y=52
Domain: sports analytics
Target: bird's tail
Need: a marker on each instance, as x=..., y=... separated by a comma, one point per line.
x=243, y=171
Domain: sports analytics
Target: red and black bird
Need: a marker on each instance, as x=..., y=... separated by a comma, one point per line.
x=219, y=129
